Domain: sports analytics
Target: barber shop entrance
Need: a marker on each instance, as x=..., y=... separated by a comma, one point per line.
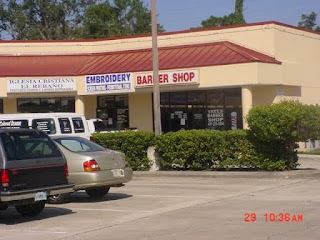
x=210, y=109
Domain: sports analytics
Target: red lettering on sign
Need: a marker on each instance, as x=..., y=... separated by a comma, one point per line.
x=163, y=78
x=144, y=80
x=139, y=80
x=192, y=75
x=183, y=77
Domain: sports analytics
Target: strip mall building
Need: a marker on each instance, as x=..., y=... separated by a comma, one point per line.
x=209, y=78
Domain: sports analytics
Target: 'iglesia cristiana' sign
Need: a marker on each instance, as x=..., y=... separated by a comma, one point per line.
x=41, y=85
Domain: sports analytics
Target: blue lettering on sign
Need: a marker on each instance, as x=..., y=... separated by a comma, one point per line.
x=123, y=86
x=108, y=82
x=109, y=87
x=108, y=78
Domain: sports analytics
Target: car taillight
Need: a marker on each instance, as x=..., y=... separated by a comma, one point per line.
x=66, y=170
x=91, y=165
x=91, y=139
x=4, y=178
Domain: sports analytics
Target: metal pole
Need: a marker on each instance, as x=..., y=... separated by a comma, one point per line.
x=156, y=91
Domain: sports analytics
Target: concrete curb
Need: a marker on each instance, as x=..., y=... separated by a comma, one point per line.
x=310, y=168
x=299, y=173
x=308, y=156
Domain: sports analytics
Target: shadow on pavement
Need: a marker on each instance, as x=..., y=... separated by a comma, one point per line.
x=12, y=217
x=82, y=197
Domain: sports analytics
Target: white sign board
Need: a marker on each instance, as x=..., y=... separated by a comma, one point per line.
x=41, y=85
x=168, y=78
x=108, y=82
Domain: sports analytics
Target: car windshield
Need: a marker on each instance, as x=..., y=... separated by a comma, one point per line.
x=78, y=144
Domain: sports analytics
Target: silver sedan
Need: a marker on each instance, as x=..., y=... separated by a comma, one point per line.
x=92, y=167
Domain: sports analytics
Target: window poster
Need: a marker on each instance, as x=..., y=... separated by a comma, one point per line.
x=215, y=117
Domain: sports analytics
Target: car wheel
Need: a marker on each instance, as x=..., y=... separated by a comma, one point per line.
x=59, y=198
x=97, y=193
x=31, y=209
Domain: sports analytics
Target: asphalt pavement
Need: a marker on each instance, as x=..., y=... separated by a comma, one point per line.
x=185, y=206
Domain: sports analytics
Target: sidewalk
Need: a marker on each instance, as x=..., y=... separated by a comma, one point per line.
x=309, y=168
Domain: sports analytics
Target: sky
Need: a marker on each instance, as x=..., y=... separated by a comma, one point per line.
x=176, y=15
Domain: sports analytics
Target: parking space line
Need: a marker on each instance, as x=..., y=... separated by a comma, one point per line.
x=32, y=231
x=173, y=196
x=108, y=210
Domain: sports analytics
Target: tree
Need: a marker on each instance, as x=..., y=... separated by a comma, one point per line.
x=231, y=19
x=122, y=18
x=42, y=19
x=309, y=22
x=73, y=19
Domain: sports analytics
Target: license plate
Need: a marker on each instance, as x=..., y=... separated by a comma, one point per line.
x=39, y=196
x=118, y=172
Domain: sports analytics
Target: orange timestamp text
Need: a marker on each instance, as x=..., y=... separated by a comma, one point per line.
x=274, y=217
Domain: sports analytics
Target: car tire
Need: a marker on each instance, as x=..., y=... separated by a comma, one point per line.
x=59, y=198
x=97, y=193
x=31, y=209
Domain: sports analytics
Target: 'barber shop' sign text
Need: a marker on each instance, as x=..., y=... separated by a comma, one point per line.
x=168, y=78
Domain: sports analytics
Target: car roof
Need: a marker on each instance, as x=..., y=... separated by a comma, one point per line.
x=50, y=114
x=19, y=130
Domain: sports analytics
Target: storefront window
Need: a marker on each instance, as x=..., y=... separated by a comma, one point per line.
x=196, y=102
x=1, y=105
x=213, y=109
x=233, y=108
x=43, y=105
x=114, y=111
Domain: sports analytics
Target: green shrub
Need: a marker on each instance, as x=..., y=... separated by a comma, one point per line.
x=276, y=129
x=206, y=150
x=133, y=144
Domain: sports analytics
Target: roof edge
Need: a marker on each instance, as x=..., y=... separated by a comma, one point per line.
x=164, y=33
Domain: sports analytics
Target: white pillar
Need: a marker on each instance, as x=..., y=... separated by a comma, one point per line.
x=246, y=93
x=79, y=105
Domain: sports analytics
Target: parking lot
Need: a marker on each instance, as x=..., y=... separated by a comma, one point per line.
x=181, y=207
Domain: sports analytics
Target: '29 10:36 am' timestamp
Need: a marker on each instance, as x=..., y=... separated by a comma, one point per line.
x=274, y=217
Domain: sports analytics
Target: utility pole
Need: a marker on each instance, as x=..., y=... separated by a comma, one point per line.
x=156, y=91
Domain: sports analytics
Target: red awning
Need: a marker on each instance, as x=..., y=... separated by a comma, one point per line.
x=186, y=56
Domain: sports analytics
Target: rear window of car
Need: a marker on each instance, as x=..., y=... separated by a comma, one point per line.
x=45, y=124
x=100, y=126
x=78, y=125
x=28, y=145
x=77, y=144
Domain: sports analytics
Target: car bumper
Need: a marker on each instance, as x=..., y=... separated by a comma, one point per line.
x=86, y=180
x=9, y=196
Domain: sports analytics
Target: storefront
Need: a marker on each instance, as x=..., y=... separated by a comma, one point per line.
x=207, y=109
x=114, y=111
x=209, y=78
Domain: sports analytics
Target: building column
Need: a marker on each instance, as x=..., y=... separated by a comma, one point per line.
x=246, y=93
x=79, y=105
x=10, y=105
